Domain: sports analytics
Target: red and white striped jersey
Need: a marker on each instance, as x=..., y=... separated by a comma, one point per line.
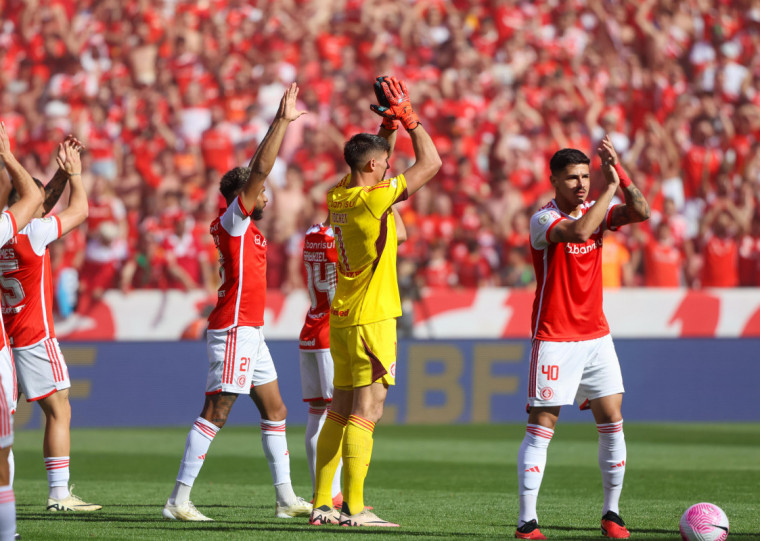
x=243, y=269
x=320, y=259
x=568, y=302
x=26, y=283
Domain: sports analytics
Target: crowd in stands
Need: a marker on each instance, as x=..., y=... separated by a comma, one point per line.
x=167, y=95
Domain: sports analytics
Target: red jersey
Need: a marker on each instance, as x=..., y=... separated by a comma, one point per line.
x=243, y=268
x=568, y=303
x=320, y=258
x=721, y=262
x=27, y=282
x=7, y=232
x=662, y=264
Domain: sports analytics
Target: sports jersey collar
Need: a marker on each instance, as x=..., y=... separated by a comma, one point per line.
x=584, y=207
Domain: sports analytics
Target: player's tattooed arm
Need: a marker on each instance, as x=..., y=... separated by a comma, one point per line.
x=636, y=208
x=54, y=190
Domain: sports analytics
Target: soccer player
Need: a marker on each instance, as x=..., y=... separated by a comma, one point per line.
x=366, y=304
x=319, y=259
x=573, y=356
x=16, y=216
x=27, y=301
x=239, y=360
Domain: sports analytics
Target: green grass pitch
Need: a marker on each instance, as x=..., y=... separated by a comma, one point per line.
x=438, y=482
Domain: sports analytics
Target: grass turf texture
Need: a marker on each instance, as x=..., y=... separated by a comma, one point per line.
x=439, y=482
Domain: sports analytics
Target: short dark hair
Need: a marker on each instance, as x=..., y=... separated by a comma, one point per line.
x=358, y=149
x=567, y=156
x=13, y=196
x=233, y=181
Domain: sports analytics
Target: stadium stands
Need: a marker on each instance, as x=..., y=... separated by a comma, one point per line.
x=167, y=95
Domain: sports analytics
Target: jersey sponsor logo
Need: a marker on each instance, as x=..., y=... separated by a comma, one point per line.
x=259, y=240
x=8, y=253
x=311, y=245
x=48, y=219
x=339, y=218
x=547, y=393
x=343, y=204
x=583, y=249
x=308, y=343
x=339, y=313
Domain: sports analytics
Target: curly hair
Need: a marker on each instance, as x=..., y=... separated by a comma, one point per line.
x=233, y=181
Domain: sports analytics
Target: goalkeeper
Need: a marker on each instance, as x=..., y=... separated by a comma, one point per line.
x=366, y=303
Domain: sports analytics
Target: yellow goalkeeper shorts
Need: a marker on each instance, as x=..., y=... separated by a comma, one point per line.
x=364, y=354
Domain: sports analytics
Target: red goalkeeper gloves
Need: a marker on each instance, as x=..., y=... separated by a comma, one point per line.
x=384, y=106
x=398, y=107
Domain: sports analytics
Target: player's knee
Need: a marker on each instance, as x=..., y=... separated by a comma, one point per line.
x=277, y=413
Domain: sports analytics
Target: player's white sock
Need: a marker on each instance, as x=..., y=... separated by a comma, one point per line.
x=337, y=478
x=58, y=476
x=11, y=467
x=275, y=445
x=612, y=463
x=314, y=423
x=198, y=441
x=7, y=513
x=531, y=461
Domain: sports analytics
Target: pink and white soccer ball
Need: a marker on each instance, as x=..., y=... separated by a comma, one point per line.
x=704, y=522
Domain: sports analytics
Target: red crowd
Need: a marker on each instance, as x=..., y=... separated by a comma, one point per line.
x=168, y=95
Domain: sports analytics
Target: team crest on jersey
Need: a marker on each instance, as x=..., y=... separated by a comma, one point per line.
x=543, y=219
x=393, y=369
x=394, y=182
x=241, y=381
x=547, y=393
x=48, y=219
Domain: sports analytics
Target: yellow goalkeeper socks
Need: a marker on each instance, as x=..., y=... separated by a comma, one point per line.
x=357, y=452
x=329, y=447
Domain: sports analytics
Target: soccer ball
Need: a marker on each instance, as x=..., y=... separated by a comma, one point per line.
x=704, y=522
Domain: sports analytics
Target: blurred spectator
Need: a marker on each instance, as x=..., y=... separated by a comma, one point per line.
x=168, y=96
x=663, y=260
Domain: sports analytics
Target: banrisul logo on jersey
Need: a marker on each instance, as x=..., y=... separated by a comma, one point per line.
x=583, y=249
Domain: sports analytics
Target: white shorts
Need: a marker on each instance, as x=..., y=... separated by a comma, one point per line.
x=239, y=359
x=316, y=375
x=7, y=397
x=8, y=376
x=561, y=372
x=41, y=369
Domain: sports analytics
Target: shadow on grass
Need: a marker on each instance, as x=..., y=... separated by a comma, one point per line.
x=261, y=525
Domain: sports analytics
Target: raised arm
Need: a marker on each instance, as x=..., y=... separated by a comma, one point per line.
x=266, y=153
x=427, y=161
x=54, y=188
x=78, y=209
x=636, y=208
x=30, y=197
x=580, y=230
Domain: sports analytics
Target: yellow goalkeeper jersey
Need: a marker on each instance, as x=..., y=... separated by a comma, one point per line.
x=365, y=238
